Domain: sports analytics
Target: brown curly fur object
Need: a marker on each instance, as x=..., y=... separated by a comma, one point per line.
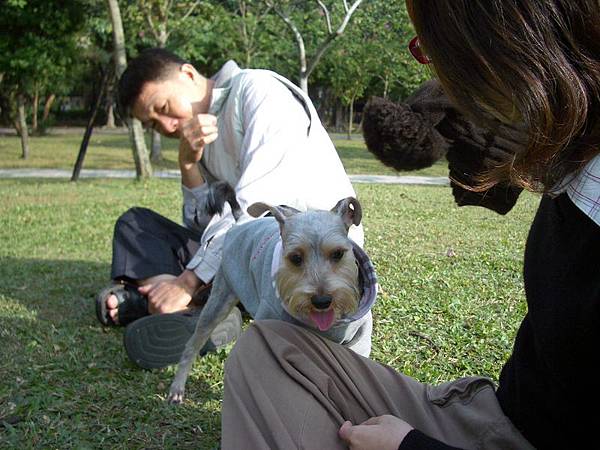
x=417, y=133
x=399, y=137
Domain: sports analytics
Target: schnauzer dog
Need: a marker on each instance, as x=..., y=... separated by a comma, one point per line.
x=295, y=266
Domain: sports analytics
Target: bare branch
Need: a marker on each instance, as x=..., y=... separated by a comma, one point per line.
x=307, y=69
x=327, y=43
x=265, y=13
x=349, y=13
x=249, y=28
x=151, y=25
x=320, y=52
x=164, y=11
x=327, y=15
x=191, y=10
x=242, y=10
x=295, y=31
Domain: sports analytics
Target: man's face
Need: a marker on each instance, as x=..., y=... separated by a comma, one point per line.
x=163, y=104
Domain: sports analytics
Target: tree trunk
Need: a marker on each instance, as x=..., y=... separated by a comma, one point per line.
x=110, y=104
x=323, y=106
x=110, y=114
x=90, y=126
x=307, y=67
x=143, y=168
x=304, y=83
x=47, y=106
x=155, y=151
x=386, y=85
x=36, y=105
x=339, y=115
x=350, y=118
x=155, y=142
x=23, y=127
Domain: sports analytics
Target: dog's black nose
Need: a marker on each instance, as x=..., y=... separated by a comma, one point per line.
x=321, y=301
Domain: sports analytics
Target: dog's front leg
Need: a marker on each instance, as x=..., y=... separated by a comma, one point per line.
x=219, y=305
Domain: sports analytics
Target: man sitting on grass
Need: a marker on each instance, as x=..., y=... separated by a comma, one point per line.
x=251, y=128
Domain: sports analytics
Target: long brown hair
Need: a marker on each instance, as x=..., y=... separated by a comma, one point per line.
x=536, y=62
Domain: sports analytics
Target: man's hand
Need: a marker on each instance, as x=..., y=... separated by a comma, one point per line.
x=167, y=296
x=194, y=135
x=381, y=433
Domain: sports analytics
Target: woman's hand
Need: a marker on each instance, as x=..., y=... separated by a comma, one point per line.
x=378, y=433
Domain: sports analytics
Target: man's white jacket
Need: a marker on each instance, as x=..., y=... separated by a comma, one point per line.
x=271, y=148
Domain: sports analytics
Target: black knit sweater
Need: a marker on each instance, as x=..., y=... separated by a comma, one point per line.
x=548, y=386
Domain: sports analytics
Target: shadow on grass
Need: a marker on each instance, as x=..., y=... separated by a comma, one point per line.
x=66, y=381
x=53, y=289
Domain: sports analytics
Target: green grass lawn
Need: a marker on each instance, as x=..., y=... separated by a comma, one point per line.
x=110, y=151
x=66, y=382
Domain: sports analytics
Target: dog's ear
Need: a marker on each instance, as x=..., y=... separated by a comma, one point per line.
x=349, y=210
x=258, y=209
x=281, y=213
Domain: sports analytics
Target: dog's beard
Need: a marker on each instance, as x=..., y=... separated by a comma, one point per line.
x=296, y=291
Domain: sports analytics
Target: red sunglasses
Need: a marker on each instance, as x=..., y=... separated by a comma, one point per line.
x=415, y=49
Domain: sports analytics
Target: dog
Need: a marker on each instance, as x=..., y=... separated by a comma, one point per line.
x=295, y=266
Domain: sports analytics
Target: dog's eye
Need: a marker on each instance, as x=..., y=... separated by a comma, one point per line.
x=295, y=259
x=337, y=255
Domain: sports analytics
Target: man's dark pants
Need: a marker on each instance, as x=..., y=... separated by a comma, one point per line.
x=146, y=244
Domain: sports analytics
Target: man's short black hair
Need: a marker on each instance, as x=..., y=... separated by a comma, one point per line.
x=152, y=64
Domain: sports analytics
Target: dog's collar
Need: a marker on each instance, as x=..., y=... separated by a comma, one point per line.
x=369, y=285
x=276, y=261
x=367, y=275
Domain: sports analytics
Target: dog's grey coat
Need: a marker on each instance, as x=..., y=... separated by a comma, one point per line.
x=246, y=265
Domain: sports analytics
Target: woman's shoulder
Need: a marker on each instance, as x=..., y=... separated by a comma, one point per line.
x=584, y=189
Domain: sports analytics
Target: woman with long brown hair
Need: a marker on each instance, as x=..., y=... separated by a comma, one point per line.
x=531, y=62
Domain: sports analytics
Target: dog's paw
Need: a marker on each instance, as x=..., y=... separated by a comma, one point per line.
x=175, y=396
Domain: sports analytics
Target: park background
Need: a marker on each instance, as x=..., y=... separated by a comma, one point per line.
x=451, y=285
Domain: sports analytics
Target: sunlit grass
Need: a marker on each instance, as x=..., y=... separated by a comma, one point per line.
x=112, y=151
x=66, y=382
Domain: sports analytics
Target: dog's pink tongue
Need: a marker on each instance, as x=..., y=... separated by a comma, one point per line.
x=324, y=319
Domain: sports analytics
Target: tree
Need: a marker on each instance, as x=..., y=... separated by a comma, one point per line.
x=160, y=18
x=286, y=9
x=249, y=18
x=372, y=60
x=99, y=56
x=350, y=74
x=37, y=49
x=143, y=167
x=386, y=32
